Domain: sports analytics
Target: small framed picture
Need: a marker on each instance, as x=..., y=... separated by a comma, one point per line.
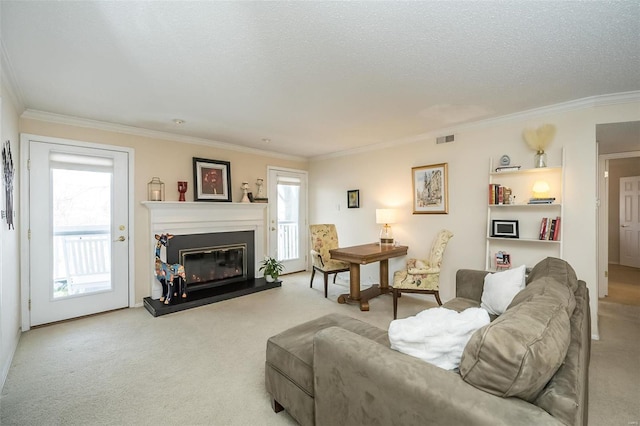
x=353, y=199
x=503, y=260
x=212, y=180
x=430, y=189
x=505, y=229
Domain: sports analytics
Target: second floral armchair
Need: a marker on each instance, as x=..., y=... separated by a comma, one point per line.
x=422, y=275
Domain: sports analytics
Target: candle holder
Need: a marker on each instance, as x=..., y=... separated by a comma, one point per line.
x=182, y=188
x=155, y=189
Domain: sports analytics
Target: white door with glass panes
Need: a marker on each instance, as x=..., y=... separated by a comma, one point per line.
x=288, y=232
x=79, y=229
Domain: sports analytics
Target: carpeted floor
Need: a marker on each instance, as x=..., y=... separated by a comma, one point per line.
x=614, y=374
x=205, y=366
x=624, y=285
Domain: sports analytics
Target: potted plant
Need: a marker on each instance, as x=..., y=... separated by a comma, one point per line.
x=272, y=268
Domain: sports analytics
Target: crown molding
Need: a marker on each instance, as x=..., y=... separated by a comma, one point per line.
x=589, y=102
x=154, y=134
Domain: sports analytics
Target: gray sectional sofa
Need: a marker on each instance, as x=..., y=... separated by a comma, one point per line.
x=529, y=366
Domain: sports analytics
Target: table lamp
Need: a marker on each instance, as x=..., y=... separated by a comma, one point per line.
x=540, y=189
x=385, y=217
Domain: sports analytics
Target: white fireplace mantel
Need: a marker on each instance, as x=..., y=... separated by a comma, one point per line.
x=183, y=218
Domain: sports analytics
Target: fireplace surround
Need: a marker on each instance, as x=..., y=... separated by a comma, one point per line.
x=204, y=225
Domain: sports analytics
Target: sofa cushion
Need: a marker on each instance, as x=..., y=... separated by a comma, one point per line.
x=548, y=286
x=518, y=353
x=566, y=395
x=291, y=352
x=500, y=288
x=459, y=304
x=556, y=268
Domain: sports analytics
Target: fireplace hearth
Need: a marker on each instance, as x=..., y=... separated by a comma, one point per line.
x=209, y=295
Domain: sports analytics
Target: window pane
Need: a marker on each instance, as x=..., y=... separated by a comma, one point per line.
x=81, y=204
x=288, y=214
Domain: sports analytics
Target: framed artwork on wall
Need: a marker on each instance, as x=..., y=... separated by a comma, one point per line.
x=8, y=174
x=353, y=199
x=430, y=189
x=212, y=180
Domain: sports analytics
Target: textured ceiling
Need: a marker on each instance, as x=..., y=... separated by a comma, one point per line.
x=314, y=77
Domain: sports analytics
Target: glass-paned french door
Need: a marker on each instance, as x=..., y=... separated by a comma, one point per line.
x=288, y=218
x=79, y=230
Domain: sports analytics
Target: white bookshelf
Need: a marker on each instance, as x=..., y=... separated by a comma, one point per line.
x=527, y=249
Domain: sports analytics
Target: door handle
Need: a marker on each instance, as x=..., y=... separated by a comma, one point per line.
x=273, y=229
x=120, y=238
x=624, y=226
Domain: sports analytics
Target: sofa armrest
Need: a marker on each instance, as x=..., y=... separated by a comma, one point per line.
x=359, y=381
x=470, y=283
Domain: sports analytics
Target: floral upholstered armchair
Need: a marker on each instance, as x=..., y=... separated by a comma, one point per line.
x=422, y=275
x=324, y=237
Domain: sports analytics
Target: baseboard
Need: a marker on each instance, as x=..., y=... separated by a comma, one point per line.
x=9, y=361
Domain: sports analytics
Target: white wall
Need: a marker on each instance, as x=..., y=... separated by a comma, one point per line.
x=9, y=259
x=383, y=177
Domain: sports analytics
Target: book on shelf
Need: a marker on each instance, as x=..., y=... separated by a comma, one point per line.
x=550, y=200
x=556, y=232
x=549, y=229
x=507, y=168
x=543, y=228
x=499, y=194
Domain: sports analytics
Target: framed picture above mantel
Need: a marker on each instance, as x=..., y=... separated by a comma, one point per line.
x=212, y=180
x=430, y=189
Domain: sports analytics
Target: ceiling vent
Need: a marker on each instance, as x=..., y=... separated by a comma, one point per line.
x=445, y=139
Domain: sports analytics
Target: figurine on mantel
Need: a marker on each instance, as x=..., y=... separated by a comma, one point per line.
x=260, y=197
x=245, y=195
x=166, y=274
x=259, y=183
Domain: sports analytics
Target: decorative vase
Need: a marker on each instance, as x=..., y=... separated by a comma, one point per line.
x=540, y=159
x=182, y=188
x=269, y=278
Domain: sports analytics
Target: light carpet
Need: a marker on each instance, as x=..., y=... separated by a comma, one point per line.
x=205, y=366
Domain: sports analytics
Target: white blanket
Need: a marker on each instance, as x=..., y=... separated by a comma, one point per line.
x=437, y=335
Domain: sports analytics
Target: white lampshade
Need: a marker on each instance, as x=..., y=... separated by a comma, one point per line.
x=385, y=216
x=540, y=189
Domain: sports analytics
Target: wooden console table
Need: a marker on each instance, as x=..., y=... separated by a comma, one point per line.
x=361, y=255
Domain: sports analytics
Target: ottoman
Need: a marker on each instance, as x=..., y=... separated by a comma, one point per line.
x=289, y=363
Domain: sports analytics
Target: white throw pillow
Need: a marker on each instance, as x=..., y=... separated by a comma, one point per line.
x=500, y=288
